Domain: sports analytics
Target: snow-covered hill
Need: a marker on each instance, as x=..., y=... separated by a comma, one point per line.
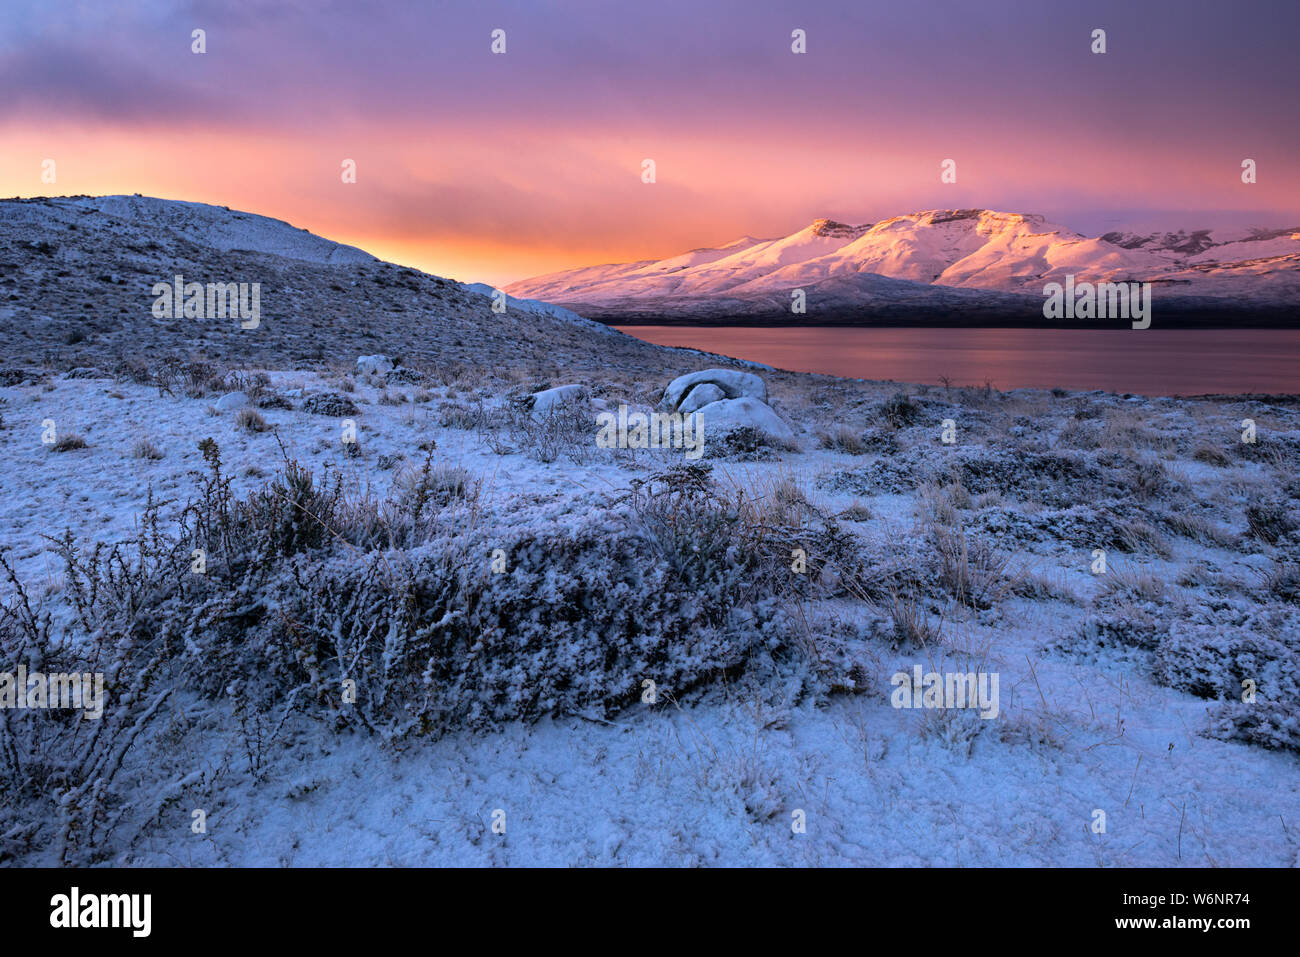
x=77, y=275
x=931, y=255
x=217, y=227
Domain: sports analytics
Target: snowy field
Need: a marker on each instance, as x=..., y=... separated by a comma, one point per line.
x=1123, y=567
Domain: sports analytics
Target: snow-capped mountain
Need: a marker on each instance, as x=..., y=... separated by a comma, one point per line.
x=980, y=259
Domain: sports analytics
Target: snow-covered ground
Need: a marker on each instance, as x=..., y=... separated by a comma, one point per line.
x=801, y=759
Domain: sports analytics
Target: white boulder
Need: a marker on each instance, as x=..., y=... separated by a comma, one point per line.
x=727, y=415
x=547, y=400
x=374, y=365
x=700, y=396
x=734, y=385
x=231, y=401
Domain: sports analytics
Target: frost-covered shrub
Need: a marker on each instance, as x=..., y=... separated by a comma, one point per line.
x=1149, y=479
x=331, y=404
x=711, y=534
x=893, y=473
x=308, y=593
x=68, y=442
x=1132, y=628
x=58, y=765
x=911, y=622
x=842, y=438
x=1212, y=654
x=461, y=415
x=1053, y=478
x=273, y=400
x=255, y=385
x=839, y=654
x=292, y=513
x=974, y=572
x=954, y=728
x=690, y=528
x=900, y=411
x=306, y=587
x=435, y=640
x=1096, y=526
x=172, y=375
x=200, y=379
x=743, y=441
x=1284, y=582
x=1211, y=455
x=409, y=376
x=250, y=420
x=565, y=428
x=145, y=449
x=1269, y=520
x=1212, y=659
x=420, y=495
x=747, y=444
x=1269, y=724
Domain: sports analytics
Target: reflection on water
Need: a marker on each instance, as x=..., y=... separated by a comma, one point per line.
x=1147, y=362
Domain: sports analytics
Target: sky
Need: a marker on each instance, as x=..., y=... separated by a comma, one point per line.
x=495, y=167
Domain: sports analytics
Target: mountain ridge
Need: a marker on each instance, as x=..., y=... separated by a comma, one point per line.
x=957, y=258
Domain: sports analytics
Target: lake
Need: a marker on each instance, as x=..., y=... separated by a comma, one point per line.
x=1145, y=362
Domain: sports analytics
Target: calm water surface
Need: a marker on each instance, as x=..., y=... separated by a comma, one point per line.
x=1146, y=362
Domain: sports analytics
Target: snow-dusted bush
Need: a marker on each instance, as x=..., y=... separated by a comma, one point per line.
x=1052, y=478
x=250, y=420
x=331, y=404
x=403, y=616
x=434, y=639
x=58, y=765
x=562, y=427
x=290, y=514
x=1211, y=659
x=1269, y=724
x=899, y=411
x=771, y=538
x=306, y=587
x=69, y=441
x=255, y=385
x=145, y=449
x=1269, y=520
x=1213, y=655
x=843, y=438
x=418, y=492
x=1284, y=582
x=973, y=571
x=200, y=379
x=1130, y=628
x=746, y=444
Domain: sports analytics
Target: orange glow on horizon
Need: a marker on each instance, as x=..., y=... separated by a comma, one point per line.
x=479, y=207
